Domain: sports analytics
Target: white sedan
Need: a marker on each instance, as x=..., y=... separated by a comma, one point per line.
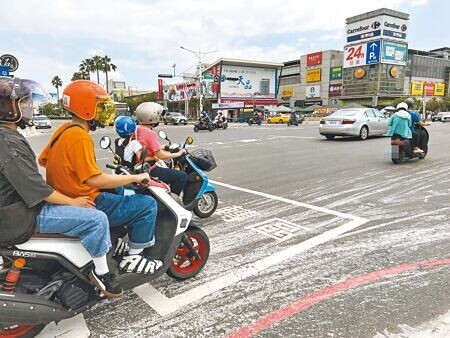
x=361, y=122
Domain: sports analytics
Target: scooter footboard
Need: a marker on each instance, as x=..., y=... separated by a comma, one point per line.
x=20, y=308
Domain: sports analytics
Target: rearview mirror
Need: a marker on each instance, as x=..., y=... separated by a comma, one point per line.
x=105, y=142
x=189, y=140
x=162, y=134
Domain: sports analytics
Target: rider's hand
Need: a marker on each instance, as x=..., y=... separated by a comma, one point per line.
x=141, y=177
x=181, y=152
x=83, y=202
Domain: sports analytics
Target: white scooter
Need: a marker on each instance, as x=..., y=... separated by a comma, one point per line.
x=54, y=284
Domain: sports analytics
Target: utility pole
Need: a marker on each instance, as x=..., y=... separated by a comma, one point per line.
x=200, y=75
x=173, y=66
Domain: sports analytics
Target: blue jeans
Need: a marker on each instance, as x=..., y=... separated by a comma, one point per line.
x=136, y=212
x=175, y=178
x=90, y=225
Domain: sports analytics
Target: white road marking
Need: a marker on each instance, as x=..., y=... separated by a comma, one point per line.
x=277, y=228
x=164, y=305
x=248, y=140
x=74, y=327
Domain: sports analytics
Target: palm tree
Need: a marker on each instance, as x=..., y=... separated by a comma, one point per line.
x=57, y=82
x=107, y=66
x=81, y=75
x=86, y=67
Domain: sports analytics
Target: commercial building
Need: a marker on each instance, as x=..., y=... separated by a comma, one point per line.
x=314, y=79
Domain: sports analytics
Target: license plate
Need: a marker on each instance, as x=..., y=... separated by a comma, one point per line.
x=333, y=122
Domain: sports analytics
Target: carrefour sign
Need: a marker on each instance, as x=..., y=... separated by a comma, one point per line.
x=378, y=26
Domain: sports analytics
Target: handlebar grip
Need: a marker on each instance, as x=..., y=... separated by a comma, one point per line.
x=145, y=181
x=110, y=166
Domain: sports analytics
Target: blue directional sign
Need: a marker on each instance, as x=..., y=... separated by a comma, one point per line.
x=373, y=52
x=4, y=70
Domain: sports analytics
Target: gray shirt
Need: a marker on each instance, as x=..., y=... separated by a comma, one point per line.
x=19, y=175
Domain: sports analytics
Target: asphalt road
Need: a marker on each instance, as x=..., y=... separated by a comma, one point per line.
x=312, y=238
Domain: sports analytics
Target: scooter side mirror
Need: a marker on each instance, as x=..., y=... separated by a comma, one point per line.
x=189, y=140
x=162, y=134
x=105, y=142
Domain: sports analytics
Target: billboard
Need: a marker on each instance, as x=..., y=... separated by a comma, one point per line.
x=416, y=88
x=362, y=54
x=394, y=53
x=335, y=90
x=377, y=27
x=247, y=82
x=428, y=88
x=287, y=92
x=314, y=59
x=312, y=91
x=183, y=91
x=439, y=89
x=335, y=73
x=313, y=75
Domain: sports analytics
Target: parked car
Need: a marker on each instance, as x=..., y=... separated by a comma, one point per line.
x=175, y=118
x=445, y=116
x=437, y=117
x=362, y=122
x=42, y=121
x=278, y=118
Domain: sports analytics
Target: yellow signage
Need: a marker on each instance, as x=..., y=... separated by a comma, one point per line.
x=439, y=89
x=416, y=88
x=287, y=92
x=313, y=75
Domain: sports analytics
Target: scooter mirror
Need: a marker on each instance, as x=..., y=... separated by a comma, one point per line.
x=105, y=142
x=162, y=134
x=189, y=140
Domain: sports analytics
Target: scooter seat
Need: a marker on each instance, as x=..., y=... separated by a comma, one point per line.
x=49, y=235
x=397, y=143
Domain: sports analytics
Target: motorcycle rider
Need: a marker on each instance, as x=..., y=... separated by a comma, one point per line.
x=26, y=195
x=418, y=134
x=400, y=122
x=71, y=167
x=147, y=114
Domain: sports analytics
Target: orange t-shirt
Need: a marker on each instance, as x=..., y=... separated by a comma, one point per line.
x=70, y=162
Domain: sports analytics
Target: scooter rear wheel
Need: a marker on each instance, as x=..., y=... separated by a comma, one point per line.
x=195, y=129
x=184, y=264
x=206, y=205
x=21, y=331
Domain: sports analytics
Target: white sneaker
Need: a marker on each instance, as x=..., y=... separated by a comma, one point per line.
x=139, y=264
x=121, y=247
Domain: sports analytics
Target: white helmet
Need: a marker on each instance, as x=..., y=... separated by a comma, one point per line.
x=402, y=106
x=148, y=112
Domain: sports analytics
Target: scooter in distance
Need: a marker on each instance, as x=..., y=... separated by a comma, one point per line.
x=51, y=270
x=203, y=125
x=199, y=195
x=221, y=123
x=402, y=149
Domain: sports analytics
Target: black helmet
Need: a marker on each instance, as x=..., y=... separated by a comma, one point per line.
x=18, y=97
x=410, y=102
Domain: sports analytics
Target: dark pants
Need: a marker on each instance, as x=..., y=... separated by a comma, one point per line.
x=175, y=178
x=416, y=136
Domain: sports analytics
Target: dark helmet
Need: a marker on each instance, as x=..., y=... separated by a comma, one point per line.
x=18, y=97
x=410, y=102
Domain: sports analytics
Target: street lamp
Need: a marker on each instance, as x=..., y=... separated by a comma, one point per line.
x=200, y=75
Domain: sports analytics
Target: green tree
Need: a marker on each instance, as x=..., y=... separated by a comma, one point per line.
x=135, y=101
x=107, y=66
x=86, y=67
x=434, y=105
x=57, y=82
x=446, y=103
x=80, y=76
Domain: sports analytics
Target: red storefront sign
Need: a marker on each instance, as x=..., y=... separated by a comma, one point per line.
x=314, y=59
x=160, y=89
x=428, y=88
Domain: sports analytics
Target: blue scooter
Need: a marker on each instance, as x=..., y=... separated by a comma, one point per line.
x=198, y=194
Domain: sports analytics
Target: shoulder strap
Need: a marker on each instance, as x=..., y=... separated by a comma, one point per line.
x=57, y=137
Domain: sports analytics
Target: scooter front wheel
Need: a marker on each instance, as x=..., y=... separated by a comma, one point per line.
x=195, y=129
x=185, y=264
x=21, y=331
x=206, y=205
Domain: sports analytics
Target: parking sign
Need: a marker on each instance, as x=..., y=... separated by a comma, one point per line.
x=4, y=71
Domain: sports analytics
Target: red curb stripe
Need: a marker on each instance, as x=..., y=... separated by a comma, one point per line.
x=304, y=303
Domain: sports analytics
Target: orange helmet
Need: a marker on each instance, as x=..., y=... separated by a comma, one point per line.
x=89, y=101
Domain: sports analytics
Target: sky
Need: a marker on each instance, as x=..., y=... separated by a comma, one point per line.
x=143, y=37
